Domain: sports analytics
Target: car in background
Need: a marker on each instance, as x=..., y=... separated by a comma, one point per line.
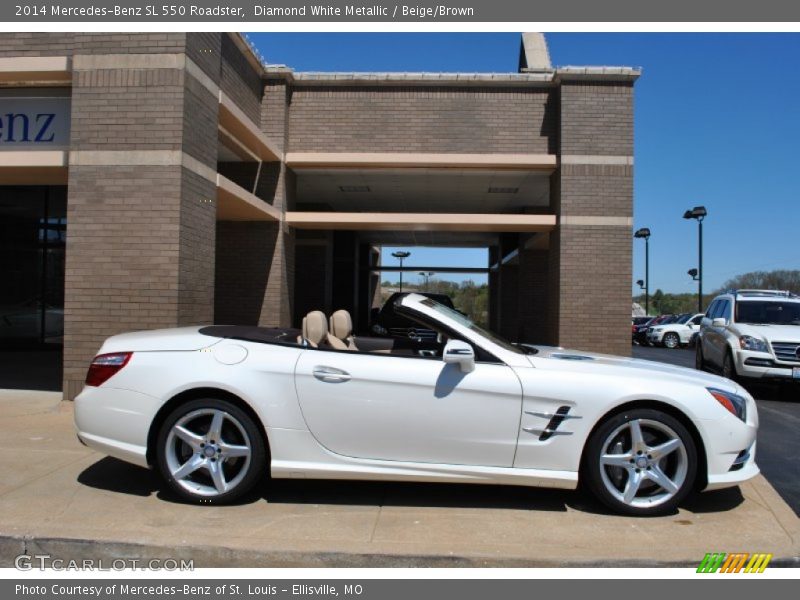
x=676, y=334
x=640, y=337
x=639, y=324
x=389, y=323
x=752, y=334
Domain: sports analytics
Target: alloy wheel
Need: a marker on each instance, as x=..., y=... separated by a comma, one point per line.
x=671, y=341
x=208, y=452
x=644, y=463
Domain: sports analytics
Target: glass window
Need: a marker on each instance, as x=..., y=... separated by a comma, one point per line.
x=768, y=312
x=32, y=239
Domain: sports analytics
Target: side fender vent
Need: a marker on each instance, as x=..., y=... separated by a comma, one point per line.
x=555, y=421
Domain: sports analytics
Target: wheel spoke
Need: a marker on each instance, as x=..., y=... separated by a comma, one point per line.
x=215, y=430
x=658, y=476
x=189, y=467
x=217, y=476
x=632, y=486
x=616, y=460
x=234, y=451
x=660, y=451
x=637, y=440
x=194, y=440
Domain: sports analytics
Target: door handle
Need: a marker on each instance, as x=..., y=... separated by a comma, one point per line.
x=330, y=374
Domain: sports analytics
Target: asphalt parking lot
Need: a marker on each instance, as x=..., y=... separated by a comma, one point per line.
x=779, y=420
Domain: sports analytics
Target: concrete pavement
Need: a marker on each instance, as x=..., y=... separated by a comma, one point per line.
x=59, y=497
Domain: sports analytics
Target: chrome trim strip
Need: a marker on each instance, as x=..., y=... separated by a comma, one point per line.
x=545, y=415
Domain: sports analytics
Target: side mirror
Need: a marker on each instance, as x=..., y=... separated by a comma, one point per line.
x=719, y=322
x=459, y=353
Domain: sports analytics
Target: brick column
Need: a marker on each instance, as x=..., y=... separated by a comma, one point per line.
x=593, y=197
x=142, y=200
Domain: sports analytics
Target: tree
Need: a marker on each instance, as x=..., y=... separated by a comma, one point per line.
x=765, y=280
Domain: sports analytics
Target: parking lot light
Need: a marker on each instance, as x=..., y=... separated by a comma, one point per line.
x=401, y=255
x=644, y=233
x=693, y=274
x=698, y=213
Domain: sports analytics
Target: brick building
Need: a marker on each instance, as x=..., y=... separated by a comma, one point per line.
x=165, y=179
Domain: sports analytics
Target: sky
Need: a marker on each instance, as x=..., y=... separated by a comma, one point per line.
x=717, y=123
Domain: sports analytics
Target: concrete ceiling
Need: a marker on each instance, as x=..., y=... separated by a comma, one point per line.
x=422, y=190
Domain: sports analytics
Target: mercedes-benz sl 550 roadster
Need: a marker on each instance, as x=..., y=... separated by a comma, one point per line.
x=215, y=409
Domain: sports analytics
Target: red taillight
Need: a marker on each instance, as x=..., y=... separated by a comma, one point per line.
x=105, y=365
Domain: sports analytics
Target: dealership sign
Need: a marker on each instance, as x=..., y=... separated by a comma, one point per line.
x=34, y=123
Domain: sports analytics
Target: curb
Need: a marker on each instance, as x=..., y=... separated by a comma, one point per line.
x=221, y=556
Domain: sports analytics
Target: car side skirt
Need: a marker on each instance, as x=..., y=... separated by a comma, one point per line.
x=311, y=461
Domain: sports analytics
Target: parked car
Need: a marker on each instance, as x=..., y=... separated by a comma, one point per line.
x=639, y=329
x=215, y=408
x=641, y=332
x=752, y=334
x=676, y=334
x=390, y=323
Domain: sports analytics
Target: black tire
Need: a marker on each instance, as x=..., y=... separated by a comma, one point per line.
x=729, y=366
x=699, y=359
x=672, y=338
x=683, y=469
x=238, y=430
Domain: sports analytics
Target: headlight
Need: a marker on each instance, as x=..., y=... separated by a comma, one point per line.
x=735, y=404
x=748, y=342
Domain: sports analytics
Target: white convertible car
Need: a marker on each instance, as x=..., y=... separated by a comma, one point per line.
x=215, y=408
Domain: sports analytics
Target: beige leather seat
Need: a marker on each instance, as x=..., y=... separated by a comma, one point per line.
x=340, y=334
x=315, y=328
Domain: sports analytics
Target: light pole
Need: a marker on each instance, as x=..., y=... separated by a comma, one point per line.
x=427, y=275
x=644, y=233
x=401, y=255
x=698, y=213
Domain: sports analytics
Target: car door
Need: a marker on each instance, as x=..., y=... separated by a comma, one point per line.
x=402, y=408
x=691, y=327
x=716, y=334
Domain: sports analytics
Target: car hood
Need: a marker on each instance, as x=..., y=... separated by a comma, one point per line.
x=159, y=340
x=773, y=333
x=637, y=366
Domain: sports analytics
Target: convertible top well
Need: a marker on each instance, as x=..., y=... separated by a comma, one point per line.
x=248, y=333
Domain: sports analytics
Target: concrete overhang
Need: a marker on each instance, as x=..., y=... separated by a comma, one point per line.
x=399, y=160
x=34, y=167
x=235, y=124
x=35, y=70
x=362, y=221
x=597, y=74
x=234, y=203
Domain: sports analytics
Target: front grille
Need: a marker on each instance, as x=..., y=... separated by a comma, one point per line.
x=786, y=351
x=418, y=333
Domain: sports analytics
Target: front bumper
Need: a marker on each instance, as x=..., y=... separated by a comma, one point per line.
x=655, y=337
x=762, y=365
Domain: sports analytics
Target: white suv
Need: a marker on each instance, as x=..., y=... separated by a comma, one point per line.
x=677, y=334
x=752, y=334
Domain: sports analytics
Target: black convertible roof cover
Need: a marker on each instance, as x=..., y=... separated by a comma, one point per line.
x=248, y=333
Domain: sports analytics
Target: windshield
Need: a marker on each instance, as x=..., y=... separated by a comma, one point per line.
x=467, y=322
x=768, y=313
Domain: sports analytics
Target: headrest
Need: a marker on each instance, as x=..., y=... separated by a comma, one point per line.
x=341, y=324
x=315, y=327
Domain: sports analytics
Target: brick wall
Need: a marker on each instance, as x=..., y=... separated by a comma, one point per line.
x=590, y=284
x=407, y=119
x=69, y=43
x=141, y=239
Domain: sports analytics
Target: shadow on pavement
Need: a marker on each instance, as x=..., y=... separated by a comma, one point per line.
x=111, y=474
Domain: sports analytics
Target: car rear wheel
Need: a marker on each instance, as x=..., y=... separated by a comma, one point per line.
x=210, y=451
x=672, y=341
x=641, y=462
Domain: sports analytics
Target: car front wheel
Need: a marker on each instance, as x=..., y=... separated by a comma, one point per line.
x=210, y=451
x=672, y=341
x=641, y=462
